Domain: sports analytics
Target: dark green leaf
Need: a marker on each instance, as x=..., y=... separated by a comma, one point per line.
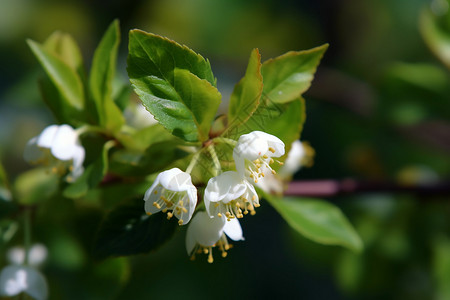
x=318, y=220
x=127, y=230
x=287, y=76
x=102, y=76
x=65, y=79
x=175, y=84
x=247, y=93
x=136, y=163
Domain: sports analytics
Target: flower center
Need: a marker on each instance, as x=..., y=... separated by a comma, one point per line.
x=259, y=165
x=177, y=202
x=237, y=208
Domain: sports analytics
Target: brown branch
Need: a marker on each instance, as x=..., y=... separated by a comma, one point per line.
x=330, y=188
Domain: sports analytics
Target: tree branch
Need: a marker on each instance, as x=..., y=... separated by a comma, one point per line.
x=330, y=188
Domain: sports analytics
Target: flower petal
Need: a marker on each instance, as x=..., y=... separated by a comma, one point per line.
x=64, y=143
x=233, y=230
x=45, y=139
x=204, y=230
x=16, y=279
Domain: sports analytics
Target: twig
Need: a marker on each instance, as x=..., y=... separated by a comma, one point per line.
x=330, y=188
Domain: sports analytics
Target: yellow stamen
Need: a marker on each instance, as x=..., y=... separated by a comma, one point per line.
x=271, y=150
x=180, y=222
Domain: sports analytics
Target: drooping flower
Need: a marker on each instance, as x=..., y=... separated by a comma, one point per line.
x=174, y=193
x=300, y=154
x=58, y=146
x=253, y=154
x=230, y=195
x=15, y=279
x=204, y=233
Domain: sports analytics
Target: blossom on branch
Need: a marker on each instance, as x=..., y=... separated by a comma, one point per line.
x=59, y=147
x=174, y=193
x=205, y=233
x=230, y=195
x=253, y=154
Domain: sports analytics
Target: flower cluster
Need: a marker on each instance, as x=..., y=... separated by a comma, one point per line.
x=227, y=197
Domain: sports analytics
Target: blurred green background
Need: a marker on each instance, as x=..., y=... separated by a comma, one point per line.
x=378, y=109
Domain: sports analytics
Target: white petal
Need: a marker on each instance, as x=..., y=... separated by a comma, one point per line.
x=273, y=142
x=78, y=159
x=32, y=152
x=192, y=195
x=204, y=230
x=64, y=143
x=294, y=158
x=250, y=146
x=175, y=180
x=16, y=255
x=233, y=230
x=45, y=139
x=16, y=279
x=225, y=187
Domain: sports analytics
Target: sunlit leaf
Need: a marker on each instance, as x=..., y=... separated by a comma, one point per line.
x=66, y=80
x=175, y=84
x=245, y=98
x=288, y=76
x=102, y=76
x=318, y=220
x=35, y=186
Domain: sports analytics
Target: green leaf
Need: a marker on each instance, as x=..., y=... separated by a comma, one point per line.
x=141, y=139
x=441, y=266
x=127, y=230
x=157, y=157
x=65, y=79
x=246, y=95
x=92, y=176
x=436, y=36
x=175, y=84
x=35, y=186
x=287, y=76
x=102, y=76
x=65, y=47
x=318, y=220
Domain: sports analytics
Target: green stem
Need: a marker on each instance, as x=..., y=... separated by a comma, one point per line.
x=27, y=233
x=193, y=161
x=225, y=140
x=217, y=166
x=89, y=128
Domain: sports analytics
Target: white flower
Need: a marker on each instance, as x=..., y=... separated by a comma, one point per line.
x=36, y=255
x=231, y=195
x=172, y=190
x=16, y=279
x=253, y=154
x=204, y=233
x=58, y=147
x=300, y=154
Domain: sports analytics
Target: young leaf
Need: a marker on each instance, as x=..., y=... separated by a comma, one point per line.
x=127, y=230
x=65, y=79
x=174, y=83
x=287, y=76
x=65, y=47
x=245, y=98
x=318, y=220
x=102, y=76
x=435, y=35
